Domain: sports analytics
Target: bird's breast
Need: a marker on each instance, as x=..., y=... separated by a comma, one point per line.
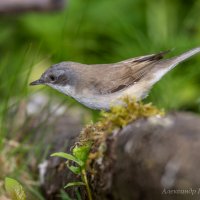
x=99, y=102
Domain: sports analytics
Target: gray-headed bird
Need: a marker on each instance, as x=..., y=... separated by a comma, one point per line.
x=100, y=86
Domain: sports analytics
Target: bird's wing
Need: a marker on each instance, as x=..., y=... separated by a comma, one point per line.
x=148, y=58
x=123, y=74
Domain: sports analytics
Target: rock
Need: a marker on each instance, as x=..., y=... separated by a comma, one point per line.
x=152, y=158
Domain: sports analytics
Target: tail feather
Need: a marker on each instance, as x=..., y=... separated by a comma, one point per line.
x=165, y=65
x=172, y=62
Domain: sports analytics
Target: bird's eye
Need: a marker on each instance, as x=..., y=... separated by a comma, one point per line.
x=52, y=78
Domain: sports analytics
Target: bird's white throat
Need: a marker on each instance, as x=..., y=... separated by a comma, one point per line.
x=67, y=89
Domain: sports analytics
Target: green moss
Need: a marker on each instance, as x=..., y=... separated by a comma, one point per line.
x=116, y=118
x=92, y=144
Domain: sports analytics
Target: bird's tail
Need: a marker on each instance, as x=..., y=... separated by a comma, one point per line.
x=172, y=62
x=165, y=65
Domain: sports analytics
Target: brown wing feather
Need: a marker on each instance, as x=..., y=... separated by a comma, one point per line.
x=152, y=57
x=115, y=77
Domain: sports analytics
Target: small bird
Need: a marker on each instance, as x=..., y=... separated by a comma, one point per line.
x=100, y=86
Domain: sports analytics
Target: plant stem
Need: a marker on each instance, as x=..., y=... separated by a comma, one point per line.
x=85, y=180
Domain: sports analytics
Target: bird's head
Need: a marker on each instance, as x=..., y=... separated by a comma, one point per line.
x=60, y=77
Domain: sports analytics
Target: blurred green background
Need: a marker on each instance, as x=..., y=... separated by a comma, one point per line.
x=93, y=31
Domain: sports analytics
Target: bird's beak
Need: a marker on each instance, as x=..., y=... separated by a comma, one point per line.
x=37, y=82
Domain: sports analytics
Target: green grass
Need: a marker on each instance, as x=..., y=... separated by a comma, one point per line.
x=95, y=32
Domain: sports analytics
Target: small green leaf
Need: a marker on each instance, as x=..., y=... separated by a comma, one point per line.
x=68, y=157
x=74, y=184
x=81, y=152
x=14, y=189
x=75, y=170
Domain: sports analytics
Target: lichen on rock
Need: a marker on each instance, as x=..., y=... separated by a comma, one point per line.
x=118, y=117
